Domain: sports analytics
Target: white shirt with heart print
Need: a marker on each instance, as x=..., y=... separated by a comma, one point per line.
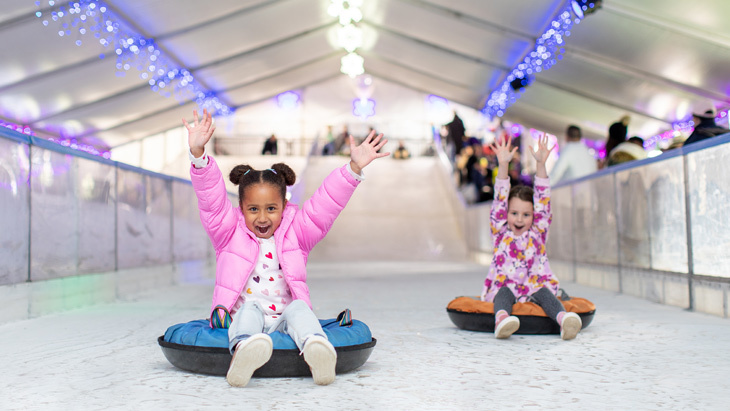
x=266, y=284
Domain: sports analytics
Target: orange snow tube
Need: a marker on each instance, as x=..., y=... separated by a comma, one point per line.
x=470, y=313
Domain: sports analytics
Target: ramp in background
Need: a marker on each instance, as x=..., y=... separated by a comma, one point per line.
x=400, y=212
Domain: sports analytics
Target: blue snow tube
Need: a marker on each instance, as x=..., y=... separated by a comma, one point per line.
x=196, y=347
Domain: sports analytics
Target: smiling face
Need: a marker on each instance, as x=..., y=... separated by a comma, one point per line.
x=262, y=209
x=519, y=215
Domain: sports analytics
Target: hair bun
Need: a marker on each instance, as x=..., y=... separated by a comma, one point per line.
x=285, y=172
x=238, y=172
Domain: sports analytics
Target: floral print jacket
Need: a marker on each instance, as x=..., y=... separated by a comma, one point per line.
x=520, y=262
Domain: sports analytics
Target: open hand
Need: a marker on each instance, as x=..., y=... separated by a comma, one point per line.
x=504, y=150
x=366, y=152
x=543, y=152
x=200, y=132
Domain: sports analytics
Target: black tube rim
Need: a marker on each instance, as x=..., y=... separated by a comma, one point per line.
x=220, y=350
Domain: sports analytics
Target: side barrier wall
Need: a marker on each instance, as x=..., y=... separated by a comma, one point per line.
x=68, y=217
x=657, y=228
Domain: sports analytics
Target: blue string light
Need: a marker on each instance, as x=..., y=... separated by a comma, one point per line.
x=93, y=19
x=547, y=51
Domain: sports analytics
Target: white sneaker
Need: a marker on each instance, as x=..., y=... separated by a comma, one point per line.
x=321, y=357
x=507, y=327
x=570, y=326
x=250, y=355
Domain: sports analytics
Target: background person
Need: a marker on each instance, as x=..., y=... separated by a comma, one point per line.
x=575, y=160
x=705, y=127
x=270, y=146
x=630, y=150
x=617, y=133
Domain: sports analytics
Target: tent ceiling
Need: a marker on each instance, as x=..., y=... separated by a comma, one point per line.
x=656, y=60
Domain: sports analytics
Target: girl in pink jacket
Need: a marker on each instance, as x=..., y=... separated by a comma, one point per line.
x=261, y=251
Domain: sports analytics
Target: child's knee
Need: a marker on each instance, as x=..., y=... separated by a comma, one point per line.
x=298, y=305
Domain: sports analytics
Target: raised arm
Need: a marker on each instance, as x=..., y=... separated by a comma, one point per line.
x=498, y=214
x=541, y=155
x=505, y=152
x=365, y=153
x=216, y=211
x=200, y=132
x=542, y=216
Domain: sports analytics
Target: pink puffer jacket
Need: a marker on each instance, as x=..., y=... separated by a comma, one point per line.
x=236, y=247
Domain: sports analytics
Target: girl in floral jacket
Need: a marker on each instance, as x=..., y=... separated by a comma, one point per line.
x=520, y=219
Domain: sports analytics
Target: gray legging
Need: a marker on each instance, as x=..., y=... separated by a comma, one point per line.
x=505, y=299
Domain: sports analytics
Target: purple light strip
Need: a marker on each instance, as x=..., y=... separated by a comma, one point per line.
x=16, y=127
x=69, y=142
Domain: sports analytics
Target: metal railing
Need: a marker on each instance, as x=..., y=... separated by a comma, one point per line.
x=67, y=213
x=253, y=146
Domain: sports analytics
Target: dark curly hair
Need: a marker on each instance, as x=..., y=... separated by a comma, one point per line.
x=279, y=175
x=524, y=193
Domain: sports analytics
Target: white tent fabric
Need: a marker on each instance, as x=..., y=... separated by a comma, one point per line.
x=654, y=60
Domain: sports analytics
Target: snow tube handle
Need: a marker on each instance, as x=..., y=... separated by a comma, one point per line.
x=345, y=318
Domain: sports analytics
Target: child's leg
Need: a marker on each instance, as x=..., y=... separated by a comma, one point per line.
x=300, y=323
x=303, y=326
x=504, y=300
x=504, y=324
x=251, y=348
x=570, y=323
x=549, y=303
x=248, y=321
